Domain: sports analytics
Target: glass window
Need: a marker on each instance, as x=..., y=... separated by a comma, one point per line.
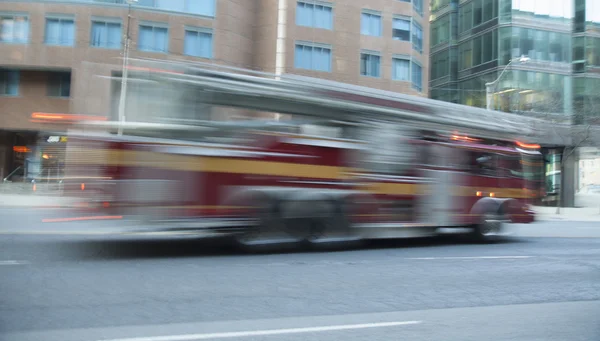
x=312, y=15
x=105, y=34
x=579, y=20
x=153, y=38
x=466, y=13
x=488, y=10
x=526, y=42
x=418, y=6
x=556, y=48
x=477, y=51
x=417, y=37
x=488, y=46
x=370, y=24
x=198, y=43
x=401, y=69
x=505, y=10
x=439, y=64
x=401, y=29
x=541, y=45
x=578, y=49
x=592, y=51
x=202, y=7
x=60, y=31
x=59, y=84
x=171, y=5
x=465, y=55
x=417, y=77
x=477, y=12
x=9, y=82
x=14, y=29
x=311, y=57
x=370, y=65
x=440, y=30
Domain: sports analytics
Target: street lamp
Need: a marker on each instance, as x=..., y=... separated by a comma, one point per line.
x=491, y=86
x=123, y=94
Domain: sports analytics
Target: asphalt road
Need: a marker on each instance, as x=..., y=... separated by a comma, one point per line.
x=75, y=282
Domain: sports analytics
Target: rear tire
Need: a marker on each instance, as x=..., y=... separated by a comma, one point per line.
x=489, y=229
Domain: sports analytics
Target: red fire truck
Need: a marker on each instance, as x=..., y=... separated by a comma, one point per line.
x=351, y=164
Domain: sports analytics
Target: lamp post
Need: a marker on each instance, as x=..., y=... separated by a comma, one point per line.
x=123, y=94
x=491, y=86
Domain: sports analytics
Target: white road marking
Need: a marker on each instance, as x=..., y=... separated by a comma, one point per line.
x=475, y=257
x=13, y=262
x=205, y=336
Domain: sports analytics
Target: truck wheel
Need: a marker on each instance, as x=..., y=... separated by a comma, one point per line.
x=268, y=232
x=489, y=229
x=332, y=229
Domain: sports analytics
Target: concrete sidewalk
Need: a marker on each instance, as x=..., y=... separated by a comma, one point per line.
x=567, y=213
x=41, y=200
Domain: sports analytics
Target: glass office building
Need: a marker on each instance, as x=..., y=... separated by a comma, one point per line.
x=473, y=41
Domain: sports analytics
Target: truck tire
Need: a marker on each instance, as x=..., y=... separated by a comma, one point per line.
x=269, y=231
x=333, y=229
x=489, y=228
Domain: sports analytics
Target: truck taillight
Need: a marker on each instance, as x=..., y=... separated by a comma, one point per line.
x=82, y=186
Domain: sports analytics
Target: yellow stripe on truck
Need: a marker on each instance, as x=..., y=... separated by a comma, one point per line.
x=268, y=168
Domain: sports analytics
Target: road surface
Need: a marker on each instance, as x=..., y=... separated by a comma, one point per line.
x=76, y=282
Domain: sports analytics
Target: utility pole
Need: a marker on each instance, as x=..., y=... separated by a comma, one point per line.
x=124, y=72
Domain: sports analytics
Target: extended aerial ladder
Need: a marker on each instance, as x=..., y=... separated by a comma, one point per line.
x=327, y=100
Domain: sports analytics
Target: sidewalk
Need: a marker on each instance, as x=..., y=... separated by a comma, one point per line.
x=567, y=213
x=35, y=201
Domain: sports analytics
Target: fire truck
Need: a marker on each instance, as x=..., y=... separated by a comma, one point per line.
x=348, y=163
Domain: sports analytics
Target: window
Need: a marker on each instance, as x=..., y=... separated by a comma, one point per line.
x=314, y=15
x=401, y=29
x=417, y=37
x=417, y=76
x=14, y=29
x=9, y=82
x=370, y=24
x=488, y=47
x=440, y=30
x=59, y=84
x=418, y=6
x=313, y=57
x=105, y=34
x=466, y=17
x=200, y=7
x=401, y=69
x=198, y=42
x=370, y=64
x=477, y=13
x=153, y=38
x=60, y=31
x=477, y=51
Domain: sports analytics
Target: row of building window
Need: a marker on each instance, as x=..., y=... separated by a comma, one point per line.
x=317, y=57
x=107, y=33
x=58, y=84
x=476, y=13
x=320, y=15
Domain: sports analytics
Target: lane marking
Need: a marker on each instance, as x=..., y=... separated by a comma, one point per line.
x=204, y=336
x=474, y=257
x=13, y=262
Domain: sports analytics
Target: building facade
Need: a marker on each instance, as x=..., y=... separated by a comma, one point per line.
x=64, y=56
x=473, y=41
